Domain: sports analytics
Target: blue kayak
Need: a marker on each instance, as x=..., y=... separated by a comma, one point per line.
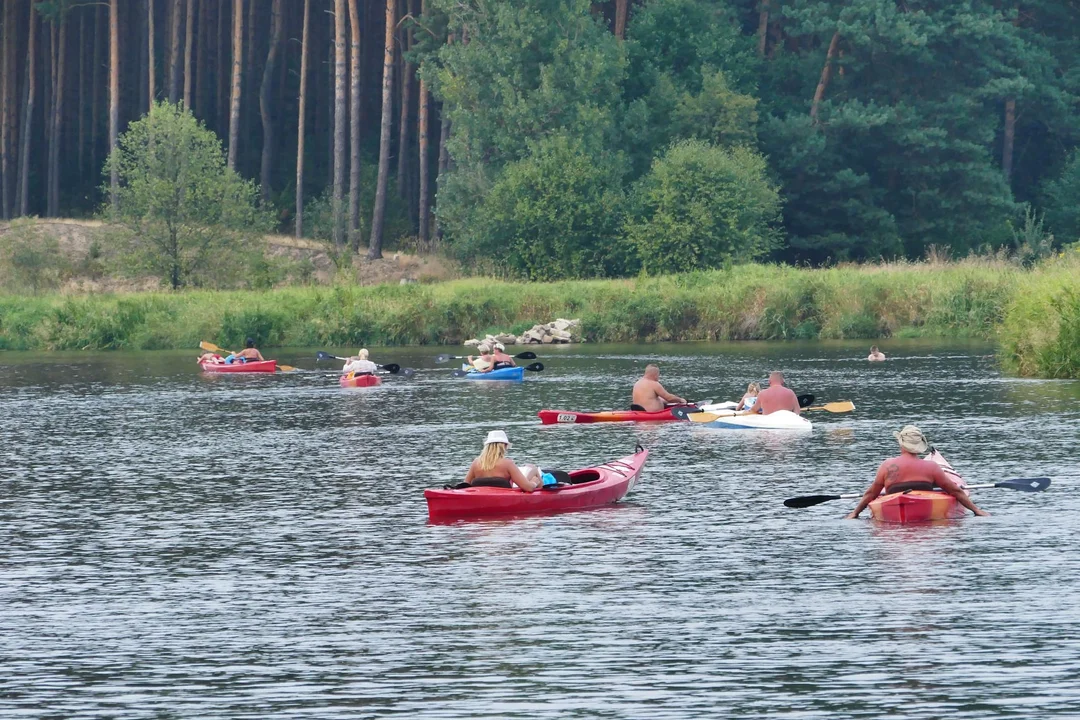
x=515, y=374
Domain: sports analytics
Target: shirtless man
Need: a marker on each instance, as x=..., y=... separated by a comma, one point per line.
x=249, y=353
x=775, y=397
x=875, y=354
x=898, y=473
x=650, y=395
x=501, y=358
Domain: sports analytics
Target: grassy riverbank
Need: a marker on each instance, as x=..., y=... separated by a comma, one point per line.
x=754, y=302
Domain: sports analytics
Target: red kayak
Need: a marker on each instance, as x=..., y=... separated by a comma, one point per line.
x=552, y=417
x=259, y=366
x=359, y=381
x=588, y=488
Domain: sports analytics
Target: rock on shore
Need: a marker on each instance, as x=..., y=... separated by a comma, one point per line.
x=558, y=332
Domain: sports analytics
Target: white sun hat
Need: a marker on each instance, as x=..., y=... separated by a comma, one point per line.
x=497, y=436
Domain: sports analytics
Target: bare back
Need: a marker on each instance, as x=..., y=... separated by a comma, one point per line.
x=907, y=468
x=651, y=395
x=776, y=397
x=505, y=469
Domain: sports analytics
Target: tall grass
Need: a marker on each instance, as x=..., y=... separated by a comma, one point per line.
x=1040, y=334
x=749, y=302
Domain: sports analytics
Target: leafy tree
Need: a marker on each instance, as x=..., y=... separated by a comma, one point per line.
x=1061, y=198
x=190, y=217
x=703, y=206
x=553, y=214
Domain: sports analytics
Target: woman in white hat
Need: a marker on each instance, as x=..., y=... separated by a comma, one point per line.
x=910, y=472
x=501, y=358
x=493, y=464
x=359, y=364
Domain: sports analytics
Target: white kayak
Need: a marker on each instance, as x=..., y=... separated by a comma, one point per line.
x=779, y=420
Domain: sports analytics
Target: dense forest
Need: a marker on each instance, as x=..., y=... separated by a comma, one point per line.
x=560, y=138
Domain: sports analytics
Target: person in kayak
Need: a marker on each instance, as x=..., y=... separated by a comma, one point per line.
x=210, y=357
x=910, y=472
x=775, y=397
x=359, y=364
x=649, y=395
x=875, y=355
x=502, y=360
x=493, y=464
x=485, y=362
x=248, y=354
x=749, y=397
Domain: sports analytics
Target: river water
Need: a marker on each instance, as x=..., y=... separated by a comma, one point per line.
x=176, y=546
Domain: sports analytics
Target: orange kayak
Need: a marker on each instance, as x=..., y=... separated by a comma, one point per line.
x=359, y=381
x=915, y=506
x=258, y=366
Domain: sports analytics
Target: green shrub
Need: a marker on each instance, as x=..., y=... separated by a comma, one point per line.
x=30, y=259
x=703, y=206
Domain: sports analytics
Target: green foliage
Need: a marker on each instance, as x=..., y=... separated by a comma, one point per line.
x=702, y=206
x=1061, y=198
x=1040, y=333
x=30, y=260
x=556, y=213
x=189, y=219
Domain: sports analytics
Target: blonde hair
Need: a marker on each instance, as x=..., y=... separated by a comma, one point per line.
x=362, y=354
x=753, y=388
x=492, y=454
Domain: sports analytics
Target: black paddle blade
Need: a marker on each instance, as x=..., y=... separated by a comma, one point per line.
x=459, y=373
x=808, y=500
x=535, y=367
x=444, y=358
x=683, y=412
x=324, y=356
x=1025, y=484
x=527, y=355
x=392, y=368
x=407, y=372
x=806, y=401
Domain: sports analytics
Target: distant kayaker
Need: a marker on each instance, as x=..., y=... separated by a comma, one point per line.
x=875, y=354
x=775, y=397
x=493, y=463
x=359, y=364
x=501, y=358
x=485, y=362
x=210, y=357
x=248, y=354
x=910, y=472
x=649, y=395
x=749, y=397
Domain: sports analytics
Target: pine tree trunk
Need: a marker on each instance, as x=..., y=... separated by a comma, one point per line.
x=375, y=247
x=622, y=14
x=57, y=124
x=201, y=53
x=220, y=73
x=237, y=62
x=23, y=197
x=354, y=126
x=422, y=132
x=5, y=105
x=404, y=146
x=174, y=53
x=763, y=27
x=826, y=74
x=300, y=122
x=82, y=95
x=264, y=102
x=1008, y=140
x=114, y=98
x=95, y=87
x=339, y=122
x=189, y=37
x=150, y=50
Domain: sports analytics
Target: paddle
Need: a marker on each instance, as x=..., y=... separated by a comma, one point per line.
x=392, y=368
x=705, y=417
x=1022, y=484
x=835, y=407
x=527, y=355
x=211, y=347
x=535, y=367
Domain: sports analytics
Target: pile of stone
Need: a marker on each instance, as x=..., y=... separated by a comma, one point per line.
x=558, y=332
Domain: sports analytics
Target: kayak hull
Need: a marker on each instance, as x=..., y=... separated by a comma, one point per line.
x=359, y=381
x=596, y=486
x=259, y=366
x=915, y=506
x=779, y=420
x=513, y=374
x=553, y=417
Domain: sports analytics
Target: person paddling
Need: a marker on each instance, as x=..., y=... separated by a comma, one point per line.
x=248, y=354
x=649, y=395
x=875, y=355
x=910, y=472
x=359, y=364
x=502, y=360
x=494, y=464
x=485, y=362
x=775, y=397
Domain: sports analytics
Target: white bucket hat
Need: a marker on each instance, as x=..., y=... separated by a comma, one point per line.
x=484, y=348
x=912, y=439
x=499, y=346
x=497, y=436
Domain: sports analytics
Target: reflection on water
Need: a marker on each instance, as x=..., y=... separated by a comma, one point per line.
x=177, y=545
